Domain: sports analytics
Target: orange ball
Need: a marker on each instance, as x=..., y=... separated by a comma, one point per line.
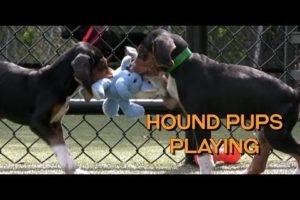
x=227, y=158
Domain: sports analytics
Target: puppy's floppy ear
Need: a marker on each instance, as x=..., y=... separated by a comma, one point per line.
x=162, y=48
x=82, y=70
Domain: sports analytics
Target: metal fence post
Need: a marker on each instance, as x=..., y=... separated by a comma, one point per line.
x=196, y=36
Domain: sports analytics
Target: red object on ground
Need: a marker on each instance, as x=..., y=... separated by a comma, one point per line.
x=226, y=158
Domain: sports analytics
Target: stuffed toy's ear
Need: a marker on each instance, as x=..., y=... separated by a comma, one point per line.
x=100, y=86
x=126, y=63
x=132, y=52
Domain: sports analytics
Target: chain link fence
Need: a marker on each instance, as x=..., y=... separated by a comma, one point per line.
x=94, y=137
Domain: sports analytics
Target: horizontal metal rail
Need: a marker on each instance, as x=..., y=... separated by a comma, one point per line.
x=152, y=106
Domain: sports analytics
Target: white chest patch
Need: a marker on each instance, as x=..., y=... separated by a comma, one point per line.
x=159, y=83
x=172, y=88
x=165, y=85
x=62, y=110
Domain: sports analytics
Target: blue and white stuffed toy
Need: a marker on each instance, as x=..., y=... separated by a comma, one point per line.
x=120, y=88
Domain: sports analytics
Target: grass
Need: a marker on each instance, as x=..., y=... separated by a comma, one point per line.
x=82, y=133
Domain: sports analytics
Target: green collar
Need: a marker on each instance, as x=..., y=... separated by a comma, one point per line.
x=180, y=59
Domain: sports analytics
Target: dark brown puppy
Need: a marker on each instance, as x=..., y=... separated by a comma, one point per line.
x=206, y=86
x=40, y=98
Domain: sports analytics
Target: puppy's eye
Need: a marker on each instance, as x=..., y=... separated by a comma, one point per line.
x=135, y=80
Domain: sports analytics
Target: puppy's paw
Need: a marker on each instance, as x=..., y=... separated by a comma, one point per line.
x=297, y=171
x=80, y=171
x=206, y=163
x=245, y=172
